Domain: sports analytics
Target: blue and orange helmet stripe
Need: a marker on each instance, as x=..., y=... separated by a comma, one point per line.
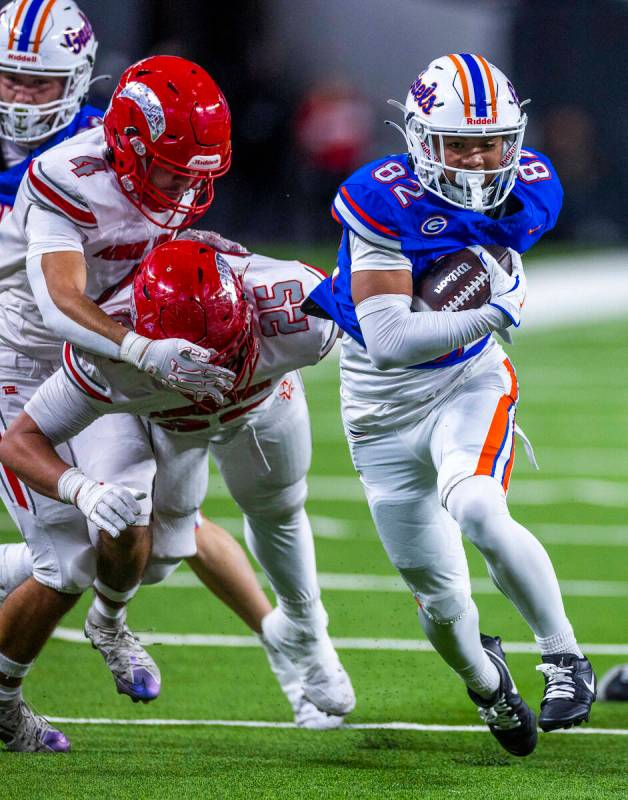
x=477, y=85
x=24, y=22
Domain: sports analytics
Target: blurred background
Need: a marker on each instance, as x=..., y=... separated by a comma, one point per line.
x=308, y=82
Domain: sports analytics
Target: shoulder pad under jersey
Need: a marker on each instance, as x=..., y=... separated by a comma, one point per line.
x=377, y=201
x=54, y=179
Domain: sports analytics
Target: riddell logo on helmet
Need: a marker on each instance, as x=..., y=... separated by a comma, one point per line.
x=481, y=120
x=204, y=162
x=24, y=57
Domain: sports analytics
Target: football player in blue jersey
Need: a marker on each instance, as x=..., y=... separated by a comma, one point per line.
x=47, y=53
x=429, y=398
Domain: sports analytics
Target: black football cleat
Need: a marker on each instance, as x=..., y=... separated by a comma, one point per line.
x=613, y=685
x=508, y=717
x=569, y=691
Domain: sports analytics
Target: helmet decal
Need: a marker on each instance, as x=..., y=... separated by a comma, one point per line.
x=77, y=40
x=226, y=277
x=150, y=106
x=424, y=95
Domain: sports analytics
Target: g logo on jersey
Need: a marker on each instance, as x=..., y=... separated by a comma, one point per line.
x=434, y=225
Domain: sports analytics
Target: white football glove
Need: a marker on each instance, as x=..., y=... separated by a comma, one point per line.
x=508, y=292
x=110, y=506
x=178, y=364
x=216, y=241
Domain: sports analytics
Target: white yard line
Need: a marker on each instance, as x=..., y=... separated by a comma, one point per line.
x=549, y=533
x=524, y=491
x=369, y=726
x=355, y=582
x=342, y=643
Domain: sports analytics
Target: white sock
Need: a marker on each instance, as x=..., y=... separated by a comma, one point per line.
x=459, y=644
x=104, y=615
x=562, y=642
x=10, y=695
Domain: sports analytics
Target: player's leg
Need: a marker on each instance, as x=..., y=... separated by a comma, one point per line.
x=117, y=448
x=424, y=544
x=62, y=566
x=221, y=564
x=264, y=465
x=473, y=445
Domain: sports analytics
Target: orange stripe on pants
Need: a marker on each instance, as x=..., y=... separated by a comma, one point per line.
x=498, y=430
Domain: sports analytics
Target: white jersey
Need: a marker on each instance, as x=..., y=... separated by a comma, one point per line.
x=68, y=200
x=89, y=386
x=373, y=398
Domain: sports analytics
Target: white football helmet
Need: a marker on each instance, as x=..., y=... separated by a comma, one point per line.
x=463, y=95
x=46, y=38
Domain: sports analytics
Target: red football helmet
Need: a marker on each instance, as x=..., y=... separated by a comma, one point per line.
x=168, y=132
x=185, y=289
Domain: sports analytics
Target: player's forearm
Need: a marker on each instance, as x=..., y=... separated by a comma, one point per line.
x=30, y=455
x=396, y=337
x=58, y=283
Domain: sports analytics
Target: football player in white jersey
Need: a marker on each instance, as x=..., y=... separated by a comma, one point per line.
x=85, y=214
x=259, y=439
x=47, y=54
x=428, y=399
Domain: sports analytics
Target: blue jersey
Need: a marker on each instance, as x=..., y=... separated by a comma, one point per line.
x=10, y=179
x=385, y=204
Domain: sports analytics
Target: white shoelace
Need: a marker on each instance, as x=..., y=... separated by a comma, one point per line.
x=560, y=683
x=500, y=715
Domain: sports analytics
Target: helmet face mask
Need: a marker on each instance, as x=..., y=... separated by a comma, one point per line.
x=464, y=97
x=168, y=130
x=45, y=41
x=185, y=289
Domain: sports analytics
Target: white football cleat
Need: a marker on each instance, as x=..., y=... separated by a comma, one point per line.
x=323, y=679
x=306, y=715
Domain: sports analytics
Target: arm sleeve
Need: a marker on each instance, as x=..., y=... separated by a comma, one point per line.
x=60, y=323
x=60, y=409
x=398, y=337
x=365, y=255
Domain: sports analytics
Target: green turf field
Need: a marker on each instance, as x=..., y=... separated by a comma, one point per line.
x=574, y=393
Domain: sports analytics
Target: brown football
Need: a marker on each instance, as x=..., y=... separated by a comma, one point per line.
x=458, y=281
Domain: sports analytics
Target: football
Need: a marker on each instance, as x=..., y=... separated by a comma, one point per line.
x=458, y=281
